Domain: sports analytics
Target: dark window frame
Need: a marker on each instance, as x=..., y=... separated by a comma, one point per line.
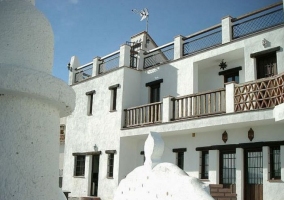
x=110, y=163
x=204, y=174
x=90, y=96
x=180, y=157
x=275, y=162
x=79, y=165
x=231, y=73
x=113, y=103
x=230, y=159
x=155, y=90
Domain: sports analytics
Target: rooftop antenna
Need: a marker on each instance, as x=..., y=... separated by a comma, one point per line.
x=144, y=14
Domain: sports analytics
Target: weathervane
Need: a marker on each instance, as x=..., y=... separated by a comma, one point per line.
x=144, y=15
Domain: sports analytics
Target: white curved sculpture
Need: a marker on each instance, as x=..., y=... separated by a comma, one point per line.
x=31, y=102
x=156, y=180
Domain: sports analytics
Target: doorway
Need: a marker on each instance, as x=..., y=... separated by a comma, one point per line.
x=95, y=175
x=253, y=174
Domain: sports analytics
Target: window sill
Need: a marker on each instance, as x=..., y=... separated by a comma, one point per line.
x=275, y=181
x=78, y=176
x=204, y=180
x=112, y=110
x=109, y=177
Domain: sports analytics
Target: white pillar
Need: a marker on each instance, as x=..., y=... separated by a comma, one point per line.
x=240, y=173
x=124, y=57
x=193, y=78
x=226, y=29
x=214, y=166
x=140, y=60
x=96, y=66
x=178, y=47
x=31, y=104
x=74, y=64
x=167, y=113
x=230, y=96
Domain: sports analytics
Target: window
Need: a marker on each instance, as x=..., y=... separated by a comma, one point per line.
x=231, y=74
x=62, y=129
x=79, y=165
x=90, y=96
x=110, y=163
x=179, y=156
x=275, y=163
x=113, y=90
x=266, y=62
x=204, y=164
x=154, y=87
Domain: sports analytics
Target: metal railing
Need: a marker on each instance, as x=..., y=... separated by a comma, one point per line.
x=83, y=72
x=143, y=115
x=202, y=40
x=200, y=104
x=109, y=62
x=263, y=93
x=258, y=20
x=159, y=55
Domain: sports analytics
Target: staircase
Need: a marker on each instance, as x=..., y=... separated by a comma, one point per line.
x=218, y=192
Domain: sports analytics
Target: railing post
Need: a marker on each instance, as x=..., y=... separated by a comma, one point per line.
x=124, y=57
x=230, y=95
x=96, y=65
x=178, y=47
x=167, y=111
x=226, y=29
x=74, y=63
x=140, y=60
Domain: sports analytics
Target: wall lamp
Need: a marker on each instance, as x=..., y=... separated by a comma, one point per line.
x=69, y=67
x=223, y=64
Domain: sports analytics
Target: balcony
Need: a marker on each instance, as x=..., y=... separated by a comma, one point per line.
x=235, y=98
x=136, y=56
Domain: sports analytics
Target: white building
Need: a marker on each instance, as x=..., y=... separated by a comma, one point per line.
x=223, y=132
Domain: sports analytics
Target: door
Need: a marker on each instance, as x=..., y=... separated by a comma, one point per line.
x=95, y=175
x=228, y=169
x=253, y=174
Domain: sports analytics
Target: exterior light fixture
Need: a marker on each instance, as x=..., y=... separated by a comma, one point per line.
x=250, y=134
x=95, y=148
x=225, y=136
x=264, y=42
x=69, y=67
x=223, y=64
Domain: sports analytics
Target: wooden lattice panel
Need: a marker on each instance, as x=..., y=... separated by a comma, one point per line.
x=263, y=93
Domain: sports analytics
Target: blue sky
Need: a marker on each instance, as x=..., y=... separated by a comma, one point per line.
x=90, y=28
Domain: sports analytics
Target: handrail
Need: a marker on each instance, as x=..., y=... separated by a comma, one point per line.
x=109, y=55
x=149, y=104
x=83, y=66
x=200, y=93
x=257, y=11
x=202, y=31
x=160, y=47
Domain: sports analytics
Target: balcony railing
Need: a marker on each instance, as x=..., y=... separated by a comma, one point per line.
x=143, y=115
x=258, y=20
x=200, y=104
x=83, y=72
x=109, y=62
x=159, y=55
x=263, y=93
x=203, y=40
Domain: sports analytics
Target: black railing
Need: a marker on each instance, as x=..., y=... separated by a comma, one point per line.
x=83, y=72
x=203, y=40
x=159, y=56
x=109, y=63
x=258, y=20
